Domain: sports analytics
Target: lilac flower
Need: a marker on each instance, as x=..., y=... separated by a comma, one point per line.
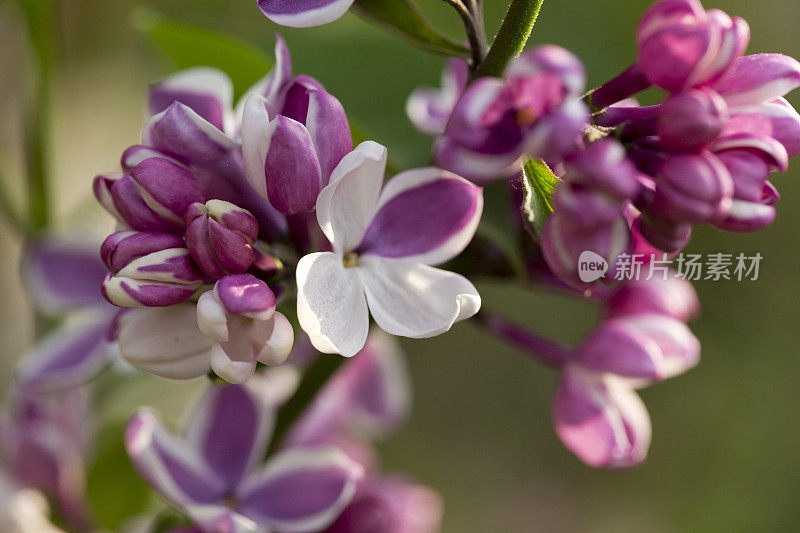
x=303, y=13
x=62, y=275
x=153, y=196
x=589, y=211
x=148, y=269
x=429, y=109
x=43, y=442
x=383, y=243
x=681, y=45
x=213, y=472
x=534, y=110
x=596, y=411
x=292, y=144
x=219, y=237
x=239, y=314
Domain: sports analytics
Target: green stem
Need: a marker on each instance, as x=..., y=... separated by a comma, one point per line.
x=40, y=18
x=314, y=379
x=10, y=211
x=511, y=37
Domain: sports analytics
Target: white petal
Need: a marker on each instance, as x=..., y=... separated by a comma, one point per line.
x=232, y=371
x=346, y=205
x=211, y=317
x=414, y=300
x=205, y=80
x=278, y=343
x=165, y=341
x=256, y=135
x=331, y=305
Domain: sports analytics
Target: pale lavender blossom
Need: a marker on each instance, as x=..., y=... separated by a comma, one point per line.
x=303, y=13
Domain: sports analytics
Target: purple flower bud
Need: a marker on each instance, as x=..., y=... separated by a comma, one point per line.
x=602, y=165
x=153, y=196
x=693, y=188
x=219, y=236
x=674, y=297
x=665, y=234
x=535, y=110
x=584, y=221
x=149, y=269
x=289, y=157
x=692, y=119
x=239, y=315
x=747, y=216
x=681, y=45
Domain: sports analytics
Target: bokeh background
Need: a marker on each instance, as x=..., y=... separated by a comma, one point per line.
x=726, y=447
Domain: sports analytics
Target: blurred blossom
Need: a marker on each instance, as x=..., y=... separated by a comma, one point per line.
x=534, y=110
x=383, y=242
x=24, y=510
x=429, y=109
x=305, y=13
x=213, y=472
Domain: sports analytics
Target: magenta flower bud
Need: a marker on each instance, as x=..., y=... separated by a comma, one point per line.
x=691, y=120
x=747, y=216
x=644, y=346
x=681, y=45
x=586, y=226
x=602, y=165
x=674, y=297
x=290, y=151
x=693, y=188
x=665, y=234
x=239, y=315
x=776, y=119
x=153, y=196
x=220, y=236
x=148, y=269
x=534, y=110
x=601, y=419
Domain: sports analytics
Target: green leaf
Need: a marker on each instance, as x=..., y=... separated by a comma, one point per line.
x=404, y=19
x=115, y=491
x=190, y=46
x=540, y=184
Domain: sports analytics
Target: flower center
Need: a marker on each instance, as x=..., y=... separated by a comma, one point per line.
x=350, y=260
x=232, y=502
x=526, y=116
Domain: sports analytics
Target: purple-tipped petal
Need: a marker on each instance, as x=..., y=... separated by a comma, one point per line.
x=745, y=216
x=776, y=119
x=300, y=490
x=180, y=132
x=244, y=294
x=425, y=215
x=168, y=464
x=217, y=519
x=166, y=187
x=230, y=426
x=62, y=273
x=329, y=128
x=602, y=421
x=759, y=78
x=303, y=13
x=69, y=357
x=207, y=91
x=122, y=247
x=271, y=87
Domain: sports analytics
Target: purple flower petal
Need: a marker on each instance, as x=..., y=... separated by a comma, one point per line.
x=776, y=119
x=303, y=13
x=170, y=465
x=62, y=273
x=69, y=357
x=245, y=294
x=230, y=427
x=759, y=78
x=300, y=490
x=425, y=215
x=602, y=421
x=207, y=91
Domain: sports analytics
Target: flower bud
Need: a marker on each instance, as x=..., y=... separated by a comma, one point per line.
x=153, y=196
x=239, y=315
x=691, y=120
x=148, y=269
x=693, y=188
x=681, y=45
x=602, y=165
x=219, y=236
x=674, y=297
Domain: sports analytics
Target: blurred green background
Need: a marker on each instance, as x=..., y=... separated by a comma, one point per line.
x=726, y=443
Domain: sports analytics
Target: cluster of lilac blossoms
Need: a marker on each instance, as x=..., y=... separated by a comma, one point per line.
x=631, y=180
x=253, y=238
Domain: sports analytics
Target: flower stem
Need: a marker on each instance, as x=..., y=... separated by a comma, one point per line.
x=511, y=37
x=313, y=380
x=473, y=24
x=546, y=351
x=628, y=83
